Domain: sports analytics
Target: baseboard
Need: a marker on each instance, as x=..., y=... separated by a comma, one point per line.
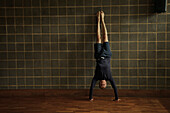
x=84, y=92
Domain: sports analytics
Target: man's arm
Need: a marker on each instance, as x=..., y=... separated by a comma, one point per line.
x=114, y=87
x=93, y=83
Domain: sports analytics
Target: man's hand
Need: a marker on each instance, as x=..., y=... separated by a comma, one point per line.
x=91, y=100
x=116, y=100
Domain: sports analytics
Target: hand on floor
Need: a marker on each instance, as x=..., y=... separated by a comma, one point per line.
x=91, y=100
x=116, y=100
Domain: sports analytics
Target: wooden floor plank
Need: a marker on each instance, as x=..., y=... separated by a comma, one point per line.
x=76, y=101
x=80, y=105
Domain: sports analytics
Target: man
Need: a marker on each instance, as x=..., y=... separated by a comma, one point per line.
x=102, y=56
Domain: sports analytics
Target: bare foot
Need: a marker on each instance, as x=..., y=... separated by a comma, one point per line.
x=102, y=15
x=98, y=16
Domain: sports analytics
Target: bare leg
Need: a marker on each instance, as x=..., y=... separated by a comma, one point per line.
x=105, y=37
x=98, y=28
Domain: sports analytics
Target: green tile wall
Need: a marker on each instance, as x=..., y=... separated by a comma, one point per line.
x=48, y=44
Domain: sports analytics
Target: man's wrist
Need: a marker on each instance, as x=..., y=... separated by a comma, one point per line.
x=90, y=98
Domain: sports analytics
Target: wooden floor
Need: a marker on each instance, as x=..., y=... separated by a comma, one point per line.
x=77, y=103
x=81, y=105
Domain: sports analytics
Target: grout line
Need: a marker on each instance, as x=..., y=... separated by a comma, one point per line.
x=58, y=48
x=143, y=14
x=156, y=48
x=90, y=15
x=84, y=42
x=110, y=36
x=41, y=31
x=85, y=6
x=119, y=51
x=147, y=53
x=128, y=45
x=7, y=44
x=86, y=33
x=76, y=43
x=88, y=6
x=67, y=46
x=32, y=50
x=87, y=85
x=16, y=79
x=82, y=76
x=166, y=49
x=93, y=68
x=160, y=77
x=85, y=51
x=94, y=37
x=24, y=46
x=89, y=24
x=51, y=78
x=74, y=59
x=138, y=47
x=23, y=34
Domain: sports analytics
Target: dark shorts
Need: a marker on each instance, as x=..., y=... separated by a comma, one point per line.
x=102, y=50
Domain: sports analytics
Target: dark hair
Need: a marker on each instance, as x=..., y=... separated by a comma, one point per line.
x=100, y=85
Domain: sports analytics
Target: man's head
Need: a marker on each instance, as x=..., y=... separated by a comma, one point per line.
x=102, y=84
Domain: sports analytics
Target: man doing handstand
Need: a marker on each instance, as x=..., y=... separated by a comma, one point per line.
x=102, y=56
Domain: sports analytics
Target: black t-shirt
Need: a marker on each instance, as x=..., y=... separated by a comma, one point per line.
x=103, y=71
